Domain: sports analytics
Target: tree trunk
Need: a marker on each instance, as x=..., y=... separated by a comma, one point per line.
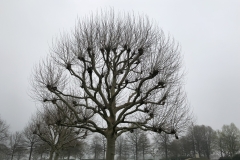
x=143, y=154
x=56, y=155
x=166, y=153
x=41, y=155
x=30, y=155
x=95, y=153
x=136, y=148
x=111, y=139
x=136, y=152
x=120, y=152
x=193, y=143
x=12, y=157
x=51, y=155
x=166, y=146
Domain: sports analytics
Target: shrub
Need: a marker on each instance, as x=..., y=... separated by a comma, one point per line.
x=236, y=157
x=225, y=158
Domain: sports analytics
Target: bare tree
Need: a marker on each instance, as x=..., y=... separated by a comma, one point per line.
x=154, y=152
x=58, y=137
x=230, y=139
x=144, y=144
x=119, y=147
x=117, y=69
x=96, y=147
x=175, y=149
x=3, y=130
x=122, y=148
x=162, y=142
x=30, y=139
x=187, y=147
x=198, y=138
x=104, y=145
x=4, y=133
x=210, y=137
x=191, y=138
x=82, y=149
x=16, y=145
x=41, y=150
x=78, y=149
x=125, y=148
x=134, y=140
x=204, y=137
x=4, y=152
x=220, y=143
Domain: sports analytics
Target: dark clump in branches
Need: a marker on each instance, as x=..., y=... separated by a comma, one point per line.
x=118, y=69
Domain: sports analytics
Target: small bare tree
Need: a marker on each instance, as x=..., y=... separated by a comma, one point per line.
x=79, y=150
x=16, y=146
x=162, y=142
x=134, y=140
x=123, y=148
x=48, y=129
x=41, y=150
x=3, y=131
x=144, y=144
x=96, y=147
x=230, y=137
x=120, y=70
x=205, y=138
x=30, y=139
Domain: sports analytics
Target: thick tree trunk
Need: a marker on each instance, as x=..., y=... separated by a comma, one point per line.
x=111, y=139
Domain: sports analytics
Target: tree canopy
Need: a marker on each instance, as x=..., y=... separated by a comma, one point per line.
x=114, y=73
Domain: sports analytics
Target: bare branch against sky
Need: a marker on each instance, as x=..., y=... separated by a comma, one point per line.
x=208, y=32
x=117, y=68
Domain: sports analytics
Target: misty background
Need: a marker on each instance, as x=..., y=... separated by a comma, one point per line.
x=207, y=31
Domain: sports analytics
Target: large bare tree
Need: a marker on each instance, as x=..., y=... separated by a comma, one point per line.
x=115, y=73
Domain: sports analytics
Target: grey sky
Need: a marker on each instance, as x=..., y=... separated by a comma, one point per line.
x=207, y=30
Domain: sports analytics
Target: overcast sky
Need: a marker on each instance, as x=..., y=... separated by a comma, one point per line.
x=208, y=31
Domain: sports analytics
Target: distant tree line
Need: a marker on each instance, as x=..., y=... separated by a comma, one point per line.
x=43, y=138
x=201, y=141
